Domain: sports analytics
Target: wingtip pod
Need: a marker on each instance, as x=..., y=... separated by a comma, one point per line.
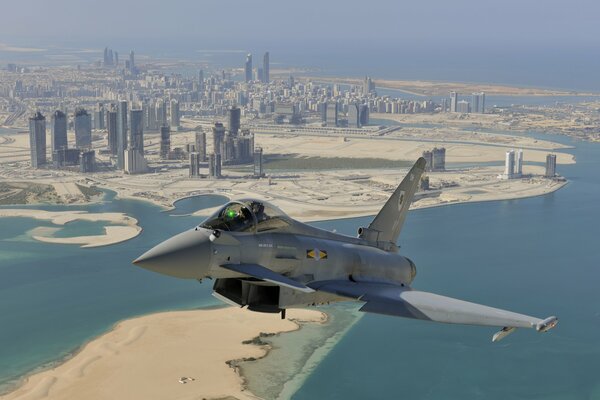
x=547, y=324
x=421, y=163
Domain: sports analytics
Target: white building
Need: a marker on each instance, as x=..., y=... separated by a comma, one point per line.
x=134, y=162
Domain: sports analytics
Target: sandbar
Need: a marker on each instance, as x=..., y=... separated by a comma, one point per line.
x=145, y=357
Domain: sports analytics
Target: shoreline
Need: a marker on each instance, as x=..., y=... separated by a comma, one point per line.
x=56, y=372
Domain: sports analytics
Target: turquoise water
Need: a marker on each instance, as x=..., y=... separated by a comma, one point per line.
x=537, y=256
x=53, y=298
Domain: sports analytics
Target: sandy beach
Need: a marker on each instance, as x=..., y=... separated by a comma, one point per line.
x=124, y=227
x=145, y=357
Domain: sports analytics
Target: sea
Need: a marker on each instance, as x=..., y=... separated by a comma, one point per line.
x=537, y=256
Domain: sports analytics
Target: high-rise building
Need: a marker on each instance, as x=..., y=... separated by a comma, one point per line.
x=132, y=69
x=368, y=86
x=88, y=161
x=111, y=126
x=453, y=102
x=519, y=163
x=37, y=139
x=364, y=114
x=201, y=143
x=174, y=109
x=509, y=165
x=134, y=162
x=83, y=129
x=258, y=162
x=121, y=133
x=463, y=107
x=58, y=138
x=478, y=102
x=201, y=81
x=354, y=116
x=234, y=120
x=218, y=137
x=99, y=118
x=266, y=67
x=332, y=113
x=439, y=159
x=248, y=68
x=136, y=131
x=65, y=157
x=214, y=166
x=428, y=156
x=194, y=164
x=165, y=142
x=550, y=166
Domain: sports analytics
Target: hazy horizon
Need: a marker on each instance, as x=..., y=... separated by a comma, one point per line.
x=384, y=22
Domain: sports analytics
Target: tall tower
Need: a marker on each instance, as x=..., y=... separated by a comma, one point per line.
x=121, y=133
x=201, y=143
x=37, y=139
x=132, y=69
x=175, y=120
x=111, y=126
x=453, y=102
x=165, y=142
x=550, y=166
x=248, y=67
x=83, y=129
x=234, y=120
x=136, y=134
x=509, y=165
x=519, y=163
x=201, y=81
x=258, y=162
x=58, y=138
x=265, y=74
x=218, y=136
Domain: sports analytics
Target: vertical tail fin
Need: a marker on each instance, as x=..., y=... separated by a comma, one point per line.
x=386, y=227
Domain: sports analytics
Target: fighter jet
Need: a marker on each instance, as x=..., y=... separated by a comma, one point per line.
x=262, y=259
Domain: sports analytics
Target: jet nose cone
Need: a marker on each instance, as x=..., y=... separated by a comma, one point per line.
x=186, y=255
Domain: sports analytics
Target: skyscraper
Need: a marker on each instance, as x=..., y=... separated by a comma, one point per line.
x=83, y=129
x=509, y=165
x=248, y=67
x=132, y=69
x=37, y=139
x=550, y=166
x=174, y=109
x=463, y=107
x=165, y=142
x=332, y=113
x=111, y=126
x=439, y=159
x=194, y=164
x=453, y=102
x=58, y=138
x=478, y=102
x=234, y=120
x=218, y=137
x=353, y=116
x=201, y=81
x=428, y=156
x=136, y=133
x=258, y=162
x=519, y=164
x=88, y=161
x=265, y=73
x=134, y=162
x=201, y=143
x=121, y=133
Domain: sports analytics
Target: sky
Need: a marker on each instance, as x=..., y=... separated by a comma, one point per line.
x=242, y=23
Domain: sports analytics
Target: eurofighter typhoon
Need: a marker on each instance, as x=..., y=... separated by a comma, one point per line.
x=262, y=259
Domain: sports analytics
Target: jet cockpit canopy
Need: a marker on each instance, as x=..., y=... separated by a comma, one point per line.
x=247, y=215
